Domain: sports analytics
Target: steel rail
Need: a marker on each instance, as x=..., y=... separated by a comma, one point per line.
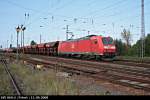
x=14, y=83
x=114, y=78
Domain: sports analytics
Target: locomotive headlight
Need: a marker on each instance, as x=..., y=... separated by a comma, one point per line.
x=113, y=47
x=109, y=47
x=106, y=47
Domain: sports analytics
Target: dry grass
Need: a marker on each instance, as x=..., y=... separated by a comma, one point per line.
x=35, y=82
x=5, y=85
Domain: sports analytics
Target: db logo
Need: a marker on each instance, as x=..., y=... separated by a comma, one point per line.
x=72, y=46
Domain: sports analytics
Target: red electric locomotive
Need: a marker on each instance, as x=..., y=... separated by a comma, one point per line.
x=93, y=45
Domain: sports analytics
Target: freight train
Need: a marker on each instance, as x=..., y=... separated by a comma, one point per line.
x=89, y=46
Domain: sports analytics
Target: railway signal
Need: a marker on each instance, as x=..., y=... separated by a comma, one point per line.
x=23, y=29
x=18, y=29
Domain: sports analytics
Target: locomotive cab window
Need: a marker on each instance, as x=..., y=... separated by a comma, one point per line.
x=107, y=40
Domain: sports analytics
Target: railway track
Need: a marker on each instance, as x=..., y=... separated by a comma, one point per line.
x=132, y=78
x=12, y=79
x=135, y=77
x=143, y=64
x=136, y=60
x=132, y=63
x=129, y=69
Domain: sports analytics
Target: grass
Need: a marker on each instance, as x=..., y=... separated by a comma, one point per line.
x=5, y=86
x=35, y=82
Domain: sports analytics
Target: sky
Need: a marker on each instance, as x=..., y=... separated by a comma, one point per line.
x=50, y=18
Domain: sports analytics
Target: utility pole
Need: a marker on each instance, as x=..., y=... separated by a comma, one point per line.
x=113, y=25
x=7, y=43
x=21, y=34
x=23, y=29
x=40, y=38
x=88, y=33
x=142, y=30
x=18, y=29
x=11, y=40
x=67, y=31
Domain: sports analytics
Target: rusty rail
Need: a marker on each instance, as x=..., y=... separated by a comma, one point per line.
x=13, y=81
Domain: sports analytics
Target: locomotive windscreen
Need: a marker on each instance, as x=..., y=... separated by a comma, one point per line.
x=107, y=40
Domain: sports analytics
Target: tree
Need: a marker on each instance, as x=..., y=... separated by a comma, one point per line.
x=147, y=45
x=135, y=50
x=120, y=48
x=126, y=35
x=33, y=42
